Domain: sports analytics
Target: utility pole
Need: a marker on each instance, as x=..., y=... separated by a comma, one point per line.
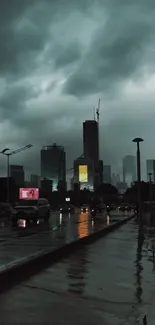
x=137, y=141
x=150, y=195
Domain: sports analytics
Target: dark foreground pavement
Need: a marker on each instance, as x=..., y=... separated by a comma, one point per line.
x=110, y=282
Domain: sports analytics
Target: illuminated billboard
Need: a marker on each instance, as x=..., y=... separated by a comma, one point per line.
x=83, y=173
x=29, y=193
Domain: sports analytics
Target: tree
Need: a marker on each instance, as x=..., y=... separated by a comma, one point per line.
x=108, y=193
x=131, y=193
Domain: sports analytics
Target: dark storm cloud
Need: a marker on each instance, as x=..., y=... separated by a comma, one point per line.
x=65, y=55
x=12, y=101
x=39, y=42
x=118, y=48
x=24, y=31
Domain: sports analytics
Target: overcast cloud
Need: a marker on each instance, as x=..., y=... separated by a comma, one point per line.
x=57, y=57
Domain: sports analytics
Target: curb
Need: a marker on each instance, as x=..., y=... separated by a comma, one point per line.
x=27, y=267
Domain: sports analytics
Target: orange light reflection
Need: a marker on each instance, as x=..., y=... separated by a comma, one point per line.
x=83, y=225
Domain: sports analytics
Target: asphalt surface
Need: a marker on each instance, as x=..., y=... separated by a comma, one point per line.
x=22, y=242
x=110, y=282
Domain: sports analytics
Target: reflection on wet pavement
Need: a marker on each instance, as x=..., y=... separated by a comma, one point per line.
x=83, y=225
x=77, y=270
x=139, y=269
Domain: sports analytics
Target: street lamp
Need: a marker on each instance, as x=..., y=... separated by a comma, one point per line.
x=8, y=154
x=138, y=140
x=150, y=185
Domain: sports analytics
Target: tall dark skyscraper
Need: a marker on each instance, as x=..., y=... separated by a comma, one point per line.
x=17, y=173
x=91, y=147
x=129, y=169
x=91, y=141
x=53, y=165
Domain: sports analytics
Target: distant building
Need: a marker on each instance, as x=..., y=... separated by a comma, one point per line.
x=101, y=169
x=91, y=147
x=46, y=185
x=53, y=165
x=17, y=173
x=13, y=193
x=129, y=169
x=107, y=174
x=84, y=173
x=150, y=168
x=35, y=180
x=72, y=183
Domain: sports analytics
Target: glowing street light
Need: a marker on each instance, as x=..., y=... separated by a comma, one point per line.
x=8, y=155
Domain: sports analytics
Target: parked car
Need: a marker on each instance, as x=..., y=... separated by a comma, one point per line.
x=84, y=208
x=124, y=207
x=67, y=208
x=5, y=210
x=31, y=210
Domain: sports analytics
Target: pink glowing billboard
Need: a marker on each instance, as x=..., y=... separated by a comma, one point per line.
x=29, y=193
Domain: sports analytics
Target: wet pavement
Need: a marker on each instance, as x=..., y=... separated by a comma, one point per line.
x=20, y=243
x=109, y=282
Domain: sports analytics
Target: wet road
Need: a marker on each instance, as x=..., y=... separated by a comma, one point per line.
x=110, y=282
x=16, y=244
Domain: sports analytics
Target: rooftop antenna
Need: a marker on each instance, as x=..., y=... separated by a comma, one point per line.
x=98, y=111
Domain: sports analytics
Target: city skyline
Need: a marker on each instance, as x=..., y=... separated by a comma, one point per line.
x=56, y=64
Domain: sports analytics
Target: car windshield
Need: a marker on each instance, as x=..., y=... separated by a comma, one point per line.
x=27, y=203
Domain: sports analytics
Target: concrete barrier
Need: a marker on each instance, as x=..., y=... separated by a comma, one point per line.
x=35, y=263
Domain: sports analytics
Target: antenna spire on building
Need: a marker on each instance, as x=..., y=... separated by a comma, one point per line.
x=98, y=111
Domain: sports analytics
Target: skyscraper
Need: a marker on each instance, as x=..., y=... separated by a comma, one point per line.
x=129, y=169
x=35, y=181
x=107, y=174
x=91, y=141
x=91, y=147
x=17, y=173
x=53, y=165
x=150, y=168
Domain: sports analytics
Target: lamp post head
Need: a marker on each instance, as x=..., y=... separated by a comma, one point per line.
x=4, y=150
x=137, y=140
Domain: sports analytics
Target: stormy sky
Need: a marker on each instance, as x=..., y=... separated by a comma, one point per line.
x=57, y=57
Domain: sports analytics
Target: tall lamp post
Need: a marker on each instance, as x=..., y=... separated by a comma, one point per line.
x=150, y=185
x=137, y=141
x=8, y=155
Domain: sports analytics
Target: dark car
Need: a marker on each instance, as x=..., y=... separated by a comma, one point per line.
x=31, y=210
x=5, y=210
x=84, y=208
x=67, y=208
x=124, y=208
